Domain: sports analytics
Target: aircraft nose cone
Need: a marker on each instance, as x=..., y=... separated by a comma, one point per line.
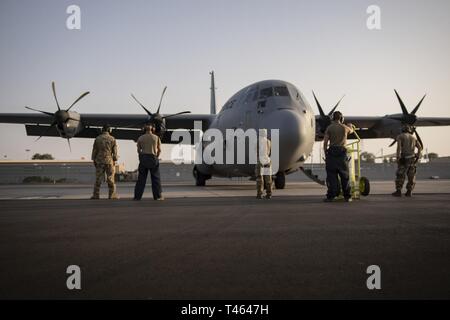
x=291, y=136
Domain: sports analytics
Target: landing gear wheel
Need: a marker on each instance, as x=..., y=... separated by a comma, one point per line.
x=200, y=179
x=280, y=180
x=364, y=186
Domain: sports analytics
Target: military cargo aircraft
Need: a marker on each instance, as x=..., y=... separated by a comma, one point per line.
x=269, y=104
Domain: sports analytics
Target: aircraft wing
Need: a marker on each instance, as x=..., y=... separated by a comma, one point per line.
x=125, y=126
x=432, y=122
x=184, y=121
x=388, y=126
x=369, y=122
x=23, y=118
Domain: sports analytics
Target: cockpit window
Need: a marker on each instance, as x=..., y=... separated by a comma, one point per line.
x=281, y=91
x=278, y=91
x=251, y=95
x=265, y=93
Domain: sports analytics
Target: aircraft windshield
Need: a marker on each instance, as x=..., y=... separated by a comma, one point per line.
x=279, y=91
x=265, y=93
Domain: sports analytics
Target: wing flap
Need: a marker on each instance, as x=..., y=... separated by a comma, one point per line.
x=182, y=121
x=120, y=134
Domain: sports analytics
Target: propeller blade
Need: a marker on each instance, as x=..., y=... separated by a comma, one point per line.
x=81, y=97
x=322, y=114
x=418, y=105
x=68, y=142
x=54, y=94
x=332, y=110
x=44, y=112
x=46, y=130
x=393, y=142
x=146, y=110
x=160, y=100
x=175, y=114
x=418, y=137
x=402, y=105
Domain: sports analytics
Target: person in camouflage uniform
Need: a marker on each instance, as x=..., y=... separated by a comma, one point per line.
x=263, y=167
x=104, y=155
x=406, y=159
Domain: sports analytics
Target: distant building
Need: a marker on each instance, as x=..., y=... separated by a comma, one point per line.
x=53, y=171
x=49, y=171
x=441, y=160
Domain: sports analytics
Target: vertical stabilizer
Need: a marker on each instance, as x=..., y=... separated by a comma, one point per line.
x=213, y=94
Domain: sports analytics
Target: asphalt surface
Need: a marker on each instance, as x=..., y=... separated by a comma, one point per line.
x=290, y=247
x=214, y=188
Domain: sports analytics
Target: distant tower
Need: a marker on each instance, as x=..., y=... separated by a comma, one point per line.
x=213, y=94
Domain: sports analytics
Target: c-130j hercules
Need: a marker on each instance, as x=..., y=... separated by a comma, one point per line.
x=269, y=104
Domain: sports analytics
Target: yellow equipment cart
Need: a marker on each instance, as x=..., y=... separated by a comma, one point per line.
x=360, y=185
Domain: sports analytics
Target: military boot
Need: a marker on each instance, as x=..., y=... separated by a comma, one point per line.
x=397, y=193
x=113, y=196
x=408, y=193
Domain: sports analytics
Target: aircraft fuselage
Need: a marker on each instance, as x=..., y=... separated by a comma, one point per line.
x=270, y=104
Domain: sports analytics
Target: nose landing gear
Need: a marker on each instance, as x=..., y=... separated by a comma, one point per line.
x=200, y=178
x=280, y=180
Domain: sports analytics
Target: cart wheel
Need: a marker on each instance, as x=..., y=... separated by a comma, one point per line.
x=364, y=186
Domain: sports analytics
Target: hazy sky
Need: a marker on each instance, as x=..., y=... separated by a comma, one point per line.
x=140, y=46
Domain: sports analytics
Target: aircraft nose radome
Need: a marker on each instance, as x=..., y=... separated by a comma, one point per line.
x=291, y=136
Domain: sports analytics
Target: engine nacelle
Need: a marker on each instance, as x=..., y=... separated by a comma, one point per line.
x=68, y=123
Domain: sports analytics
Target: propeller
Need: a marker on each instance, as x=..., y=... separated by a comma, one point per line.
x=156, y=118
x=60, y=117
x=325, y=119
x=408, y=118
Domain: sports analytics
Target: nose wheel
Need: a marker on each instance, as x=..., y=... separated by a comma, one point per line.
x=200, y=178
x=280, y=180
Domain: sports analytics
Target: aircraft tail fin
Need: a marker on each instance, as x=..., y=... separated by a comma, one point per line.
x=213, y=94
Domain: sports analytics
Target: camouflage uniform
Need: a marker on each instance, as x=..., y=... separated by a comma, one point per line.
x=263, y=181
x=104, y=155
x=407, y=159
x=406, y=167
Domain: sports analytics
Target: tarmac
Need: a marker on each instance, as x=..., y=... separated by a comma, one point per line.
x=219, y=242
